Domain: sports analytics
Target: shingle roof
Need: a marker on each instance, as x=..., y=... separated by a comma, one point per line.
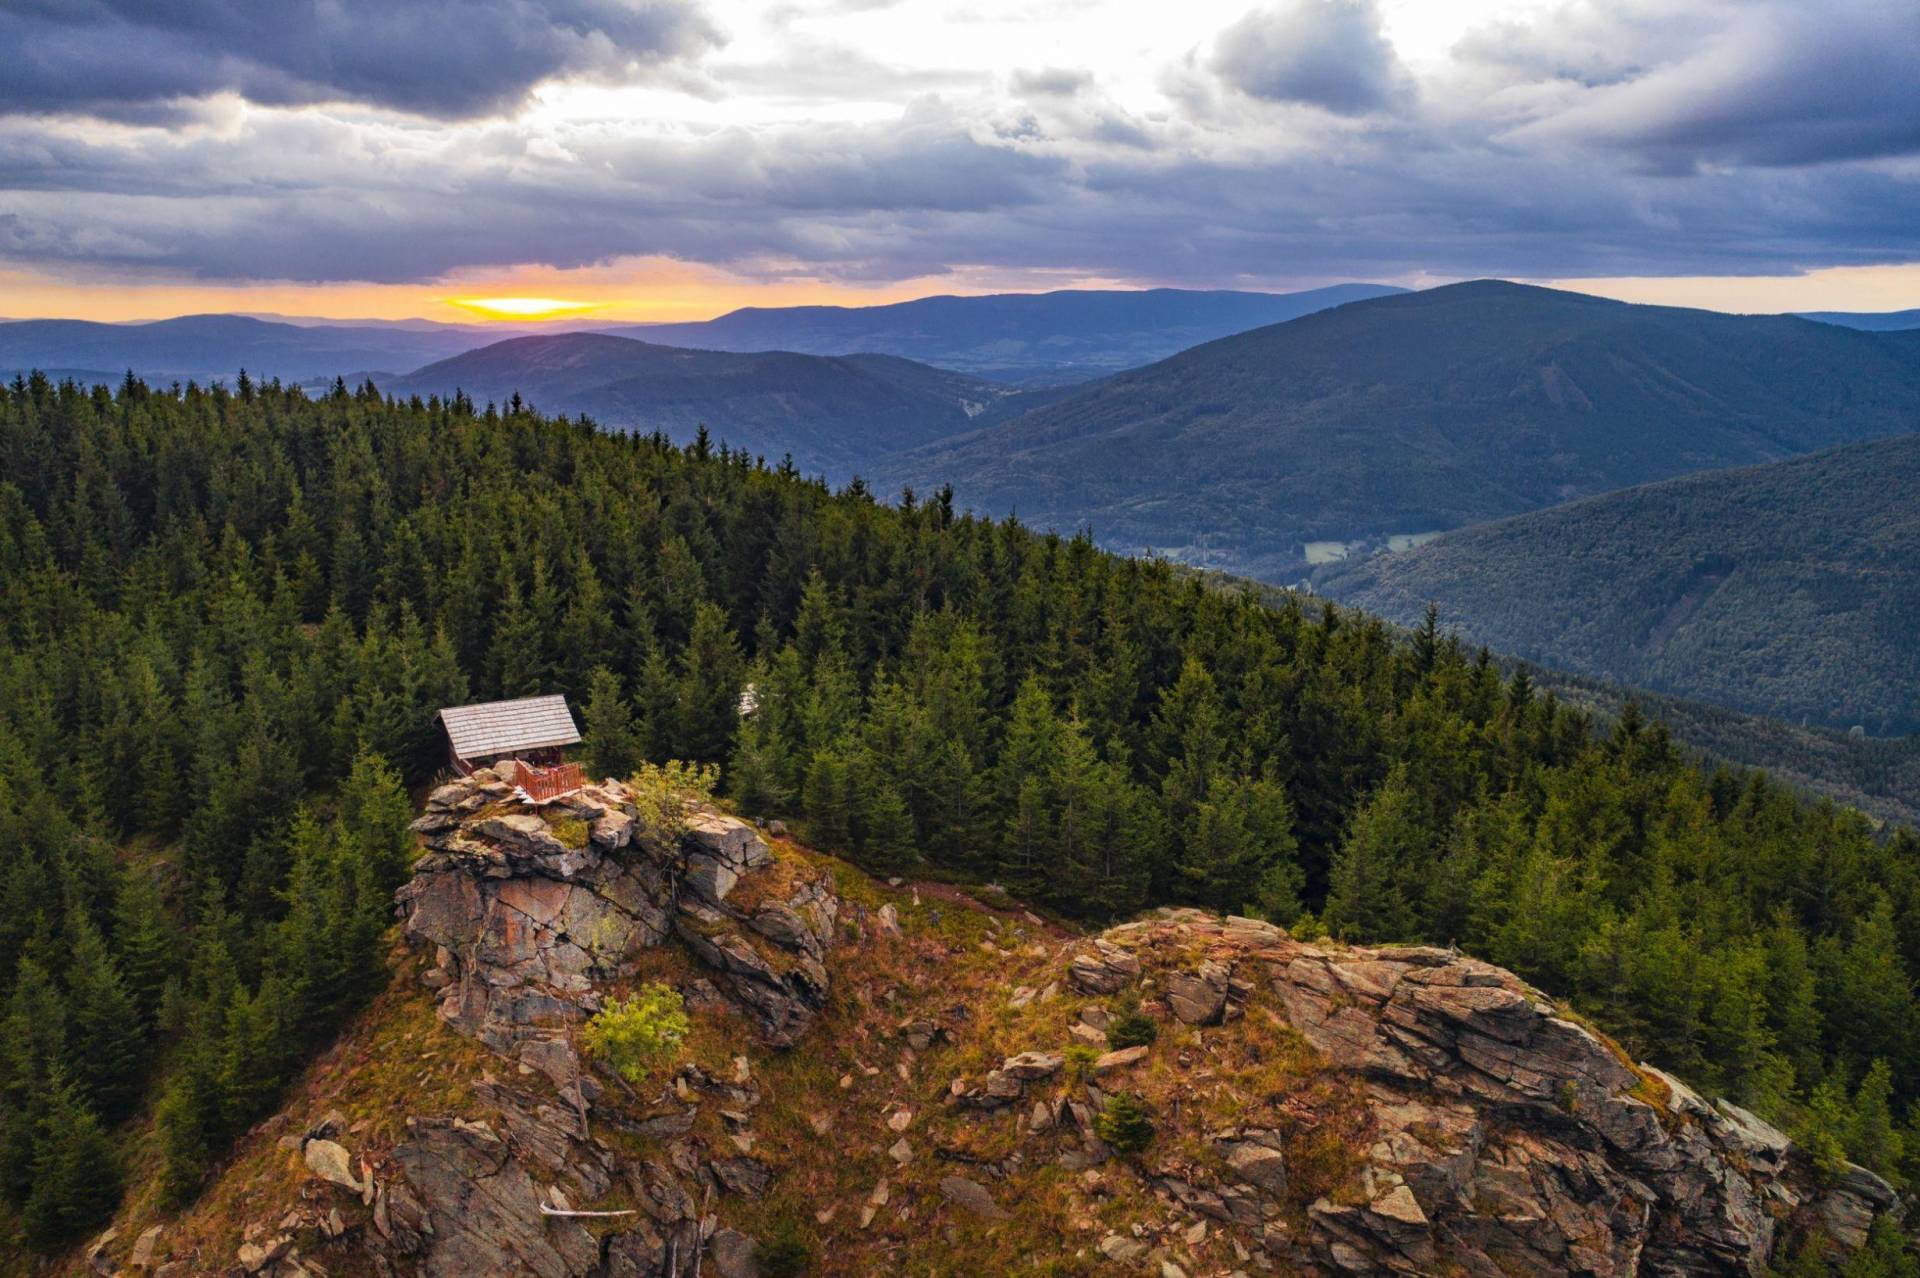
x=502, y=727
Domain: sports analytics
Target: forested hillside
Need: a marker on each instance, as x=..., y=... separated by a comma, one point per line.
x=1790, y=589
x=228, y=617
x=1408, y=415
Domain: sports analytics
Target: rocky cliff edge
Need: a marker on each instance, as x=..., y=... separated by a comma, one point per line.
x=912, y=1079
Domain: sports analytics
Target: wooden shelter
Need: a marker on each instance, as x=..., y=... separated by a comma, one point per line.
x=530, y=730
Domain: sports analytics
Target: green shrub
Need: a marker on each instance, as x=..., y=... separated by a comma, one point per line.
x=666, y=795
x=1080, y=1059
x=1125, y=1124
x=1132, y=1029
x=632, y=1035
x=784, y=1252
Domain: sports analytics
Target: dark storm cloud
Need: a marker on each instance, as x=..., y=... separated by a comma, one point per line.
x=315, y=198
x=1325, y=53
x=1617, y=138
x=134, y=59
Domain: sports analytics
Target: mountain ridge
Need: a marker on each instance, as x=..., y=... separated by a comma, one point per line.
x=214, y=347
x=1069, y=335
x=1417, y=413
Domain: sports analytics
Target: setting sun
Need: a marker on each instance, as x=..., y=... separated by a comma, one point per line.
x=523, y=307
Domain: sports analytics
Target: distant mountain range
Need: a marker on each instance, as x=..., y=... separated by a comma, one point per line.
x=1402, y=416
x=1791, y=589
x=1872, y=321
x=834, y=414
x=1022, y=338
x=1039, y=339
x=209, y=347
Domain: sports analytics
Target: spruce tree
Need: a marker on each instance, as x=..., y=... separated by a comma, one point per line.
x=76, y=1173
x=105, y=1055
x=887, y=845
x=613, y=741
x=711, y=674
x=1364, y=896
x=147, y=941
x=33, y=1043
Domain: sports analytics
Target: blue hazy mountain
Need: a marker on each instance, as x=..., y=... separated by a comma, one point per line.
x=206, y=347
x=1023, y=338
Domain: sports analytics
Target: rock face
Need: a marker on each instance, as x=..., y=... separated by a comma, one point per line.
x=525, y=922
x=528, y=913
x=1506, y=1138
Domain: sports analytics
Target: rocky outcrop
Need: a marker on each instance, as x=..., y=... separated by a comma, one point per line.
x=528, y=910
x=529, y=914
x=1315, y=1109
x=1504, y=1137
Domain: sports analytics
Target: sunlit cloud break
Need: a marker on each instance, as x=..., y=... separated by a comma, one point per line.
x=523, y=307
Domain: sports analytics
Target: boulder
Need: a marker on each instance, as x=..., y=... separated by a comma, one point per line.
x=732, y=1254
x=1031, y=1067
x=718, y=850
x=1105, y=970
x=140, y=1258
x=972, y=1197
x=1199, y=997
x=523, y=833
x=1258, y=1159
x=331, y=1162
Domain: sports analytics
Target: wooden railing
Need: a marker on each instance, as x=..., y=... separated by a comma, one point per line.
x=542, y=784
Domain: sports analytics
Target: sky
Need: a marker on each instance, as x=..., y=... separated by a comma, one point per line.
x=672, y=159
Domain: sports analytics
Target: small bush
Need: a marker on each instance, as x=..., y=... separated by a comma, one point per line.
x=1125, y=1124
x=1080, y=1059
x=665, y=796
x=1132, y=1029
x=632, y=1035
x=571, y=831
x=783, y=1253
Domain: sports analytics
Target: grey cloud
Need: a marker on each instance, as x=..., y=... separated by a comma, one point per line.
x=138, y=59
x=1745, y=82
x=1051, y=82
x=1569, y=147
x=1324, y=53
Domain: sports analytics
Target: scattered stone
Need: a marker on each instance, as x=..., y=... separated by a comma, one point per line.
x=1121, y=1059
x=331, y=1162
x=97, y=1258
x=732, y=1254
x=901, y=1152
x=141, y=1257
x=1031, y=1067
x=971, y=1196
